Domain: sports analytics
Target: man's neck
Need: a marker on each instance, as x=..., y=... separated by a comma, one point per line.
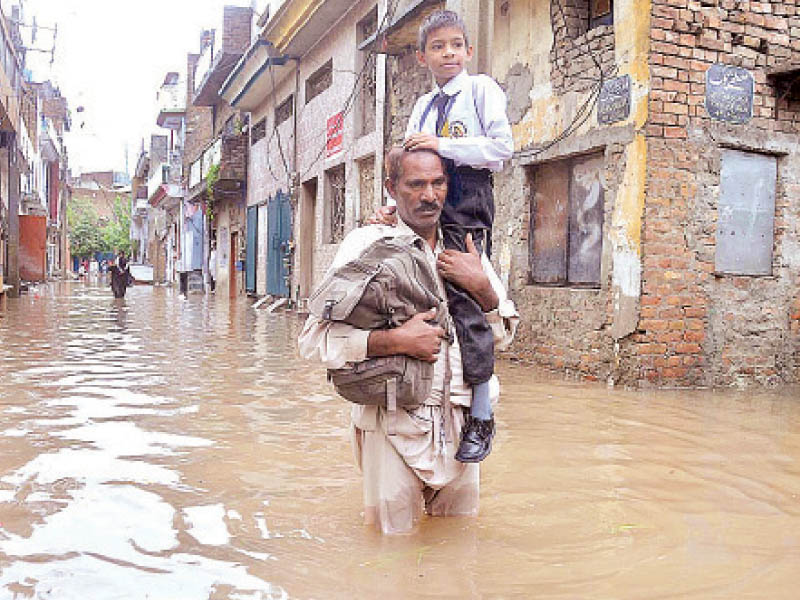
x=429, y=237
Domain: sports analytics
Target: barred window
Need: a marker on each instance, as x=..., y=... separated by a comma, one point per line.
x=259, y=131
x=285, y=110
x=335, y=204
x=319, y=81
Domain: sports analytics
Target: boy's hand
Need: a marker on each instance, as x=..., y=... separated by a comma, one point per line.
x=385, y=215
x=421, y=141
x=465, y=270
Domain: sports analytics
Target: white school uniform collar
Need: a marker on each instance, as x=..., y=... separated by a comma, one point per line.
x=453, y=86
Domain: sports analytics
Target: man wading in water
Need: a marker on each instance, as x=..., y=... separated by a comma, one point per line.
x=414, y=467
x=121, y=276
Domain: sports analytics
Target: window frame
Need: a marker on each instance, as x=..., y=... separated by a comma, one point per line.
x=311, y=87
x=280, y=118
x=562, y=273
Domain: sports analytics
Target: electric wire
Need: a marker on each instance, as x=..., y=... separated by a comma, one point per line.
x=586, y=109
x=348, y=104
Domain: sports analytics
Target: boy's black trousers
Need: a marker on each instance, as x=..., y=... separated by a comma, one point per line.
x=469, y=208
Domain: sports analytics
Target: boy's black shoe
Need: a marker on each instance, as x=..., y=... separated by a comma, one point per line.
x=476, y=440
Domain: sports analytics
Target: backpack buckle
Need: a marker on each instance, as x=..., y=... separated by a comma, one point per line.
x=326, y=312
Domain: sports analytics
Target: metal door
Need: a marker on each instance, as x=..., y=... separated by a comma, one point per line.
x=279, y=227
x=250, y=258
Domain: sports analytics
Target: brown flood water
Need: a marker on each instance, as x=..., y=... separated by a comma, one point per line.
x=171, y=449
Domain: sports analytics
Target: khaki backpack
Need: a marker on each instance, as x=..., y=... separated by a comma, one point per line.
x=386, y=285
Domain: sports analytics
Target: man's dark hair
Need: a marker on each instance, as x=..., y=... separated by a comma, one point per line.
x=437, y=20
x=394, y=161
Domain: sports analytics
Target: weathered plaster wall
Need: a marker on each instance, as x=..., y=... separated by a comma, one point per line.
x=563, y=328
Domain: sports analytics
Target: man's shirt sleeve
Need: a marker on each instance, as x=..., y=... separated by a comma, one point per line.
x=504, y=319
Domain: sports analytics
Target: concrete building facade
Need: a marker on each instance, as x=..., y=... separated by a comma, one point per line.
x=315, y=94
x=215, y=154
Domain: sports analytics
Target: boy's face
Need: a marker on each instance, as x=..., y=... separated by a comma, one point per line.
x=446, y=53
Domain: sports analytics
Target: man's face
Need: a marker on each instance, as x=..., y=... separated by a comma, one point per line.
x=420, y=191
x=446, y=52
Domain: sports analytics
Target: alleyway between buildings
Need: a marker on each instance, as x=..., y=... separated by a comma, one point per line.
x=161, y=447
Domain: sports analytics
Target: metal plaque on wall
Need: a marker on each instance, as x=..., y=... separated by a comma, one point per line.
x=614, y=103
x=729, y=93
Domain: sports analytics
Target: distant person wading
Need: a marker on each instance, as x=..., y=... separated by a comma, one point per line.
x=121, y=276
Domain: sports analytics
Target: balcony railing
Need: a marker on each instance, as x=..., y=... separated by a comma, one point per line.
x=229, y=152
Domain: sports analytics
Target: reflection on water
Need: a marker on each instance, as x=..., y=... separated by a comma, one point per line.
x=156, y=447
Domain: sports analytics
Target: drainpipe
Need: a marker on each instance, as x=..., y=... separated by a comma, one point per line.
x=13, y=215
x=294, y=191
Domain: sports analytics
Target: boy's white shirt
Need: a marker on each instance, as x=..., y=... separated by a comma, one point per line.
x=480, y=109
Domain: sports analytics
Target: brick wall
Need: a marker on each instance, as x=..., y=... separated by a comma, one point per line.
x=408, y=80
x=236, y=22
x=576, y=52
x=698, y=328
x=199, y=121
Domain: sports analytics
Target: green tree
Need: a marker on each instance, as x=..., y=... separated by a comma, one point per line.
x=88, y=234
x=117, y=232
x=85, y=235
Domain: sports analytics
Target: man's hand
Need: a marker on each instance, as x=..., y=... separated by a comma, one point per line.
x=465, y=270
x=385, y=215
x=416, y=337
x=421, y=141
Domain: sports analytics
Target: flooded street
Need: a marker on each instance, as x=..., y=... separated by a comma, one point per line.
x=161, y=448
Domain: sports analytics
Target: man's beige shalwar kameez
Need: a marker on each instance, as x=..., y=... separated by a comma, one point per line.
x=414, y=468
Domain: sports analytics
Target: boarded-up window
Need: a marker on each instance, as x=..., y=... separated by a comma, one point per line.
x=746, y=213
x=335, y=204
x=283, y=112
x=319, y=81
x=567, y=222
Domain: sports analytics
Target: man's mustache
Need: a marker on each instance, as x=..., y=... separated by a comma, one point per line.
x=428, y=206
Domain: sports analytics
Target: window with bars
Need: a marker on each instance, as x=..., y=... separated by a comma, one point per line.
x=335, y=204
x=259, y=131
x=319, y=81
x=567, y=212
x=367, y=66
x=284, y=111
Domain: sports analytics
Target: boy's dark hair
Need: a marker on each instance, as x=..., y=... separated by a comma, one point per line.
x=437, y=20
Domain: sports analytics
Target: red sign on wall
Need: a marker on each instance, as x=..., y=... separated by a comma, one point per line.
x=335, y=133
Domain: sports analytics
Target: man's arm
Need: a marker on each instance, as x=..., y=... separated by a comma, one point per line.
x=416, y=337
